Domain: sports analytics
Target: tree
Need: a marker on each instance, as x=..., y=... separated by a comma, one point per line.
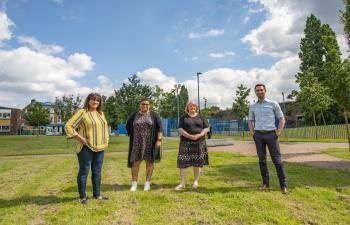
x=128, y=97
x=167, y=107
x=241, y=105
x=37, y=115
x=213, y=111
x=313, y=97
x=66, y=106
x=319, y=54
x=183, y=99
x=111, y=111
x=342, y=81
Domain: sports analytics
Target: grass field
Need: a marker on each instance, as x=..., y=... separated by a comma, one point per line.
x=42, y=190
x=342, y=153
x=29, y=145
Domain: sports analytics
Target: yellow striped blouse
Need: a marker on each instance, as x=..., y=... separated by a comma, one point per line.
x=90, y=125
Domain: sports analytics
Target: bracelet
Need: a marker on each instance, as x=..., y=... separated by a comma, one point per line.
x=159, y=139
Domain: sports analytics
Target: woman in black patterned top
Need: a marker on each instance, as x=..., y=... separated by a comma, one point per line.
x=145, y=130
x=193, y=149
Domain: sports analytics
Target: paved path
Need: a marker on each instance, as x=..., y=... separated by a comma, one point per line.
x=300, y=152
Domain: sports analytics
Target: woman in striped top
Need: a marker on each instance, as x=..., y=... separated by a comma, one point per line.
x=90, y=128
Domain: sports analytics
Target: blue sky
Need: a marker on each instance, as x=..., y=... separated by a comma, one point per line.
x=74, y=47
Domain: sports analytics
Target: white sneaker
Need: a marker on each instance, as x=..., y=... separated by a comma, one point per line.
x=133, y=186
x=147, y=186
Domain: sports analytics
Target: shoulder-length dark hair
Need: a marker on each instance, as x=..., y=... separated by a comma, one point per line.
x=94, y=96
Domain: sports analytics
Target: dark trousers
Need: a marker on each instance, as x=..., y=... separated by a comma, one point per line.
x=87, y=159
x=269, y=140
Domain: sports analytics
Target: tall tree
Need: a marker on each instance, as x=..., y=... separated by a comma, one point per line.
x=37, y=115
x=313, y=97
x=111, y=111
x=66, y=106
x=183, y=99
x=343, y=78
x=128, y=97
x=241, y=104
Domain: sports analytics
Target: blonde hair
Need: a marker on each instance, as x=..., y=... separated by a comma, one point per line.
x=190, y=103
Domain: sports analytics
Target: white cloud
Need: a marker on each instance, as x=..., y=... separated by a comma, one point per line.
x=246, y=19
x=33, y=70
x=209, y=33
x=5, y=27
x=38, y=46
x=221, y=55
x=280, y=33
x=154, y=76
x=219, y=85
x=58, y=1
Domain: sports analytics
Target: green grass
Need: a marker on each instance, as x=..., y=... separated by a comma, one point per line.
x=342, y=153
x=30, y=145
x=42, y=190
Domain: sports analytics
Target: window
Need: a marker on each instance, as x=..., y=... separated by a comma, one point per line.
x=4, y=128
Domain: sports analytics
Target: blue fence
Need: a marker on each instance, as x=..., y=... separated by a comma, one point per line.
x=223, y=127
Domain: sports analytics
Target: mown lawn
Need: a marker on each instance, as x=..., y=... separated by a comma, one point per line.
x=42, y=190
x=30, y=145
x=342, y=153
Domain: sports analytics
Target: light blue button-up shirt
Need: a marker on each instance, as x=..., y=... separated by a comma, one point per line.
x=264, y=114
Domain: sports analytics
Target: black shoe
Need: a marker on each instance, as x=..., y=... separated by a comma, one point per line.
x=284, y=190
x=100, y=197
x=264, y=187
x=83, y=200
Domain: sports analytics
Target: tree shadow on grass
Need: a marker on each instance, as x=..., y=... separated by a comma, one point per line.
x=36, y=200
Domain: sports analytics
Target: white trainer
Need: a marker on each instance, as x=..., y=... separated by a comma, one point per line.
x=147, y=186
x=133, y=186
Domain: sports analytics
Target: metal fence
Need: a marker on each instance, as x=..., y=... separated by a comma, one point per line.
x=237, y=128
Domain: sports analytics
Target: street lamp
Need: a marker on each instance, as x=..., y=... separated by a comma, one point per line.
x=205, y=102
x=177, y=87
x=199, y=106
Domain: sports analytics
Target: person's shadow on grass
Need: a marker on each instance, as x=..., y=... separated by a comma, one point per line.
x=37, y=200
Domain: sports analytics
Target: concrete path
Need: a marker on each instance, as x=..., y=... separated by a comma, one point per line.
x=300, y=152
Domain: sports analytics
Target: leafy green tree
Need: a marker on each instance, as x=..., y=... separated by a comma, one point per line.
x=212, y=112
x=342, y=81
x=111, y=111
x=319, y=53
x=183, y=99
x=168, y=105
x=66, y=106
x=128, y=97
x=37, y=115
x=313, y=97
x=240, y=106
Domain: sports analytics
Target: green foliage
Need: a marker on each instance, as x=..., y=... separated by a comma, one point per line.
x=183, y=99
x=128, y=97
x=212, y=112
x=313, y=96
x=111, y=111
x=240, y=106
x=66, y=106
x=345, y=19
x=37, y=115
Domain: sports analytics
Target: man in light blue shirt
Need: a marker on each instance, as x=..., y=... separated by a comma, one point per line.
x=262, y=125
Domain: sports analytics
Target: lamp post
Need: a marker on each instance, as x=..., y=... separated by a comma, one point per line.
x=205, y=102
x=199, y=106
x=177, y=87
